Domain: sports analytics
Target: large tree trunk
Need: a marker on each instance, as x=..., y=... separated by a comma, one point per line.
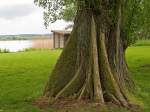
x=92, y=65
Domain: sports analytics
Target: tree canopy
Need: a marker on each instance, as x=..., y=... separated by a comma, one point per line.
x=136, y=15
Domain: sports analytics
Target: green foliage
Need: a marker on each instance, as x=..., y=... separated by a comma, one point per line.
x=136, y=20
x=57, y=9
x=142, y=43
x=136, y=15
x=69, y=12
x=23, y=76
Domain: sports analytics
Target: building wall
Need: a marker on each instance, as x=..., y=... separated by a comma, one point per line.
x=58, y=41
x=43, y=43
x=61, y=41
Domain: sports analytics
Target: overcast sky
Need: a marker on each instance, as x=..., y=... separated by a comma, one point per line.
x=23, y=17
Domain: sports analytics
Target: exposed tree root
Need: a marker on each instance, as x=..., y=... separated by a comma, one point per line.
x=92, y=65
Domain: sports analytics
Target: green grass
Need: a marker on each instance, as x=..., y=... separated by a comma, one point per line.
x=24, y=75
x=138, y=59
x=22, y=78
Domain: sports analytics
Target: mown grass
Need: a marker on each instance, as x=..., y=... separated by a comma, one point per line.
x=138, y=59
x=24, y=75
x=22, y=78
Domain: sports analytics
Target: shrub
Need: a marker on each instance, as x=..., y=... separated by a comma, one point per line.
x=142, y=43
x=35, y=49
x=4, y=51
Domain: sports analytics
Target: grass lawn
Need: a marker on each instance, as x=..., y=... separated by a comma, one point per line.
x=24, y=75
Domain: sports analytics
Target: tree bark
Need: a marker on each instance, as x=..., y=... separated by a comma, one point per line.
x=92, y=65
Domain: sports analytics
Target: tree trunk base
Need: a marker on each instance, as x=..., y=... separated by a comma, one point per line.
x=77, y=105
x=89, y=68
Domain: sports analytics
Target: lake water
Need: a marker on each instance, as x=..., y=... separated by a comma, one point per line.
x=17, y=45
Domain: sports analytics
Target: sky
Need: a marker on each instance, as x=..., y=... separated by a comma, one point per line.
x=23, y=17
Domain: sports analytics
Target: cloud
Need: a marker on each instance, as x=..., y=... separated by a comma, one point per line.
x=22, y=17
x=16, y=11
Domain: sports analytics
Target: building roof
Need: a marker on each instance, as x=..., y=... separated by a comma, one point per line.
x=62, y=32
x=70, y=26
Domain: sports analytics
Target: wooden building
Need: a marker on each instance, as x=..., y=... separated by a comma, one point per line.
x=42, y=43
x=60, y=38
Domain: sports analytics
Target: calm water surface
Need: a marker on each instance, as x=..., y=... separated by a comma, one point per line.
x=17, y=45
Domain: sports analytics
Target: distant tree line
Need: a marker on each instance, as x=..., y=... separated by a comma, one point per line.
x=24, y=37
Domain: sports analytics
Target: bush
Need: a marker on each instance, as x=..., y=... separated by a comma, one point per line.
x=4, y=51
x=142, y=43
x=35, y=49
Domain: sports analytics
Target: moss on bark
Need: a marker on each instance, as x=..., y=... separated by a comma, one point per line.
x=92, y=65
